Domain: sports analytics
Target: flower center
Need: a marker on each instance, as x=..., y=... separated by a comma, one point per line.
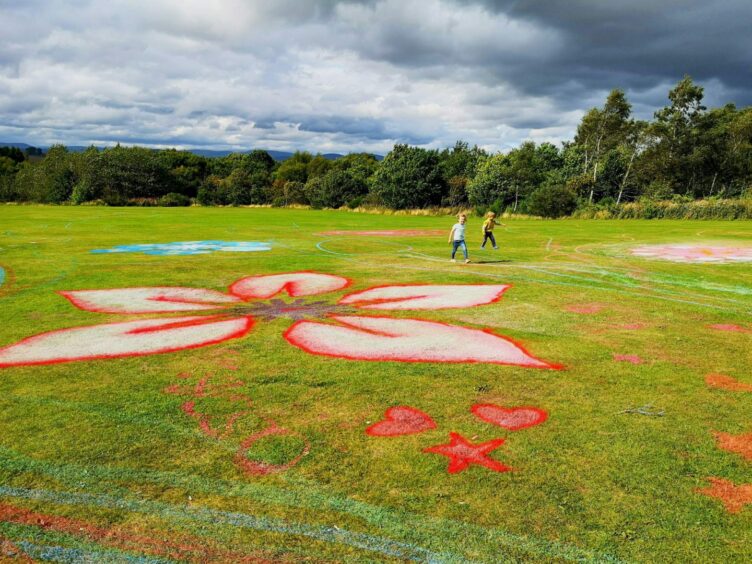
x=297, y=309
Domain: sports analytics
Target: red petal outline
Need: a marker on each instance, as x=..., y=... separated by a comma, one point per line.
x=376, y=303
x=291, y=287
x=79, y=299
x=288, y=335
x=174, y=323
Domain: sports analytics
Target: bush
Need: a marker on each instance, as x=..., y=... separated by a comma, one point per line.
x=113, y=198
x=174, y=200
x=142, y=202
x=658, y=190
x=552, y=201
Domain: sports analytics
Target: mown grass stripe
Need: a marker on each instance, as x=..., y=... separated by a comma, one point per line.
x=424, y=529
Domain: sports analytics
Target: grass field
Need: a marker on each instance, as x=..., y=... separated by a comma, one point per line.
x=251, y=445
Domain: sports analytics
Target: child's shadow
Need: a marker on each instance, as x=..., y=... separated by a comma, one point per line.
x=491, y=261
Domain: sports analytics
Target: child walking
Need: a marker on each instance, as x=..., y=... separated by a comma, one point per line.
x=487, y=229
x=457, y=237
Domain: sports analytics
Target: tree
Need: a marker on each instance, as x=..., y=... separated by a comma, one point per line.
x=675, y=130
x=458, y=166
x=295, y=168
x=491, y=182
x=13, y=153
x=360, y=166
x=602, y=130
x=333, y=189
x=635, y=144
x=409, y=177
x=8, y=169
x=318, y=166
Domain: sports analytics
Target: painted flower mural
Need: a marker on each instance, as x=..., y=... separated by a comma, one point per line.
x=342, y=330
x=694, y=253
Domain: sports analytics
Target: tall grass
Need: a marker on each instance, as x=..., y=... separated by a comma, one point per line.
x=671, y=209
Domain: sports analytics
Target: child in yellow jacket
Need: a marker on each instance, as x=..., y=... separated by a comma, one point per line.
x=487, y=229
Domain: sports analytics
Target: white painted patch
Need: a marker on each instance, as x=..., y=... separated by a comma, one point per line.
x=406, y=340
x=123, y=339
x=148, y=300
x=426, y=296
x=294, y=283
x=695, y=253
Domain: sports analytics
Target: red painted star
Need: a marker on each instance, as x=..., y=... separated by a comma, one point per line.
x=463, y=453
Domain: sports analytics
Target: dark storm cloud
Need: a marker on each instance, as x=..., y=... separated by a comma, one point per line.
x=637, y=44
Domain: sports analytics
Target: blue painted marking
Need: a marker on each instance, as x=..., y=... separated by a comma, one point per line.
x=2, y=275
x=74, y=555
x=189, y=248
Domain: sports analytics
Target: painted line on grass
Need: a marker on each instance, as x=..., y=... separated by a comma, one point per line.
x=546, y=271
x=400, y=247
x=78, y=555
x=648, y=291
x=328, y=534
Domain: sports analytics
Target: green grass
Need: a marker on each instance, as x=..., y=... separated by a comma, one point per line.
x=102, y=442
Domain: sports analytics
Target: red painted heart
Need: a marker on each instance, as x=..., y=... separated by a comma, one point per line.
x=512, y=418
x=401, y=420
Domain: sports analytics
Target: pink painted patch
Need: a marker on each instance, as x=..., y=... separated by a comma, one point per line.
x=630, y=326
x=132, y=338
x=512, y=418
x=727, y=383
x=407, y=340
x=632, y=358
x=389, y=233
x=694, y=253
x=730, y=327
x=426, y=296
x=585, y=309
x=402, y=420
x=462, y=453
x=296, y=284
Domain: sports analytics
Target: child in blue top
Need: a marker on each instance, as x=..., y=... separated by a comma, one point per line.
x=457, y=237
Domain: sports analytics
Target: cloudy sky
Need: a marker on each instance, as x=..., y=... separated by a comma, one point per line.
x=347, y=76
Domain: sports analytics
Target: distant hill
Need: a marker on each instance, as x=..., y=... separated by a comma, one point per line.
x=209, y=153
x=21, y=146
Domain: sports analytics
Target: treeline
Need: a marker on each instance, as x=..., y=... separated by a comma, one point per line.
x=614, y=164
